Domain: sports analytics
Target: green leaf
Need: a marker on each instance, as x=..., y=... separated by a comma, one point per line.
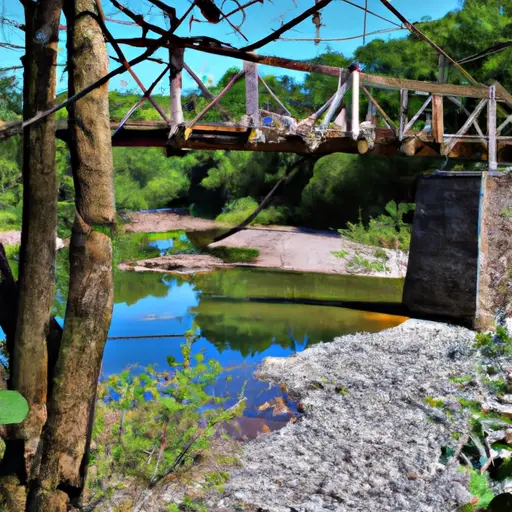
x=13, y=407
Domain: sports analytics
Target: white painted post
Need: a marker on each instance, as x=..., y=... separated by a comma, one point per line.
x=492, y=151
x=404, y=105
x=251, y=92
x=355, y=105
x=176, y=56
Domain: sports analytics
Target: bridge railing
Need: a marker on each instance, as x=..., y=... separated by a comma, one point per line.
x=341, y=113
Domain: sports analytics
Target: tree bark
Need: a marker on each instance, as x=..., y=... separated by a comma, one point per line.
x=37, y=258
x=89, y=309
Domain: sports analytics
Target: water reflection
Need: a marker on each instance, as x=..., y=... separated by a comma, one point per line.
x=238, y=333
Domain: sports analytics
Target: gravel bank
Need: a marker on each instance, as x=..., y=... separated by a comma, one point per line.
x=367, y=441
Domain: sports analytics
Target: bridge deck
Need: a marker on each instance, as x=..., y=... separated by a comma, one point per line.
x=232, y=136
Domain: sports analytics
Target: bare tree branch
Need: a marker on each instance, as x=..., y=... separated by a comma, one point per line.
x=287, y=26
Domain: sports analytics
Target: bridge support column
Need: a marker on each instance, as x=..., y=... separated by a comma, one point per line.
x=460, y=263
x=251, y=92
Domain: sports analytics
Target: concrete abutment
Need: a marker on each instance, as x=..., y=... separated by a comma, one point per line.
x=460, y=263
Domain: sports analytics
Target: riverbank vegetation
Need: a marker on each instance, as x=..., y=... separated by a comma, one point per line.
x=153, y=424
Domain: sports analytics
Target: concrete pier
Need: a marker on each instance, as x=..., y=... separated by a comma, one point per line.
x=460, y=264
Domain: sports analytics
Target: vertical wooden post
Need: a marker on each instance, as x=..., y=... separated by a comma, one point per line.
x=492, y=129
x=371, y=115
x=437, y=119
x=251, y=92
x=341, y=119
x=176, y=58
x=404, y=105
x=355, y=105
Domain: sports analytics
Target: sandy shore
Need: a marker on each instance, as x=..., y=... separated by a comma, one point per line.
x=280, y=247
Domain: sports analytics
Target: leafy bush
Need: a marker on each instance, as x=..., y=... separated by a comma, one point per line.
x=13, y=257
x=360, y=263
x=238, y=210
x=235, y=254
x=495, y=345
x=388, y=231
x=150, y=423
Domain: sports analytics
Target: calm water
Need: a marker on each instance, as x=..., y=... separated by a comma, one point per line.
x=233, y=312
x=237, y=327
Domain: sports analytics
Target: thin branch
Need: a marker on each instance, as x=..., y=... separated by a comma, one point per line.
x=287, y=175
x=340, y=39
x=418, y=32
x=365, y=22
x=120, y=54
x=139, y=19
x=207, y=45
x=12, y=68
x=287, y=26
x=17, y=128
x=485, y=53
x=371, y=12
x=145, y=97
x=10, y=46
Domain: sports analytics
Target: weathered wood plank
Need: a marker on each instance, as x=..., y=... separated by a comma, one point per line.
x=176, y=57
x=341, y=119
x=391, y=124
x=386, y=82
x=219, y=96
x=338, y=98
x=274, y=96
x=437, y=118
x=468, y=113
x=371, y=114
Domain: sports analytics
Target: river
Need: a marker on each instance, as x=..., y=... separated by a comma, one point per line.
x=241, y=315
x=237, y=316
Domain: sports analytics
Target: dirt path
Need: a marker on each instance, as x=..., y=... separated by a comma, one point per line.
x=284, y=247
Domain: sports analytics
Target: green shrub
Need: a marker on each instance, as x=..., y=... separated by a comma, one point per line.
x=340, y=254
x=388, y=231
x=13, y=257
x=495, y=345
x=237, y=211
x=361, y=263
x=235, y=254
x=149, y=423
x=479, y=486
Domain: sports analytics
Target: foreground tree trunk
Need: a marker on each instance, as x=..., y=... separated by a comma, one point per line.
x=29, y=362
x=90, y=301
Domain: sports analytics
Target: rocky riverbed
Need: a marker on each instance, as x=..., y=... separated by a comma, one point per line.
x=371, y=437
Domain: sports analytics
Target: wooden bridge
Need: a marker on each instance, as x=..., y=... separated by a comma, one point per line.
x=471, y=111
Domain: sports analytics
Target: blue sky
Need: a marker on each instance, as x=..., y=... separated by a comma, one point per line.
x=340, y=20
